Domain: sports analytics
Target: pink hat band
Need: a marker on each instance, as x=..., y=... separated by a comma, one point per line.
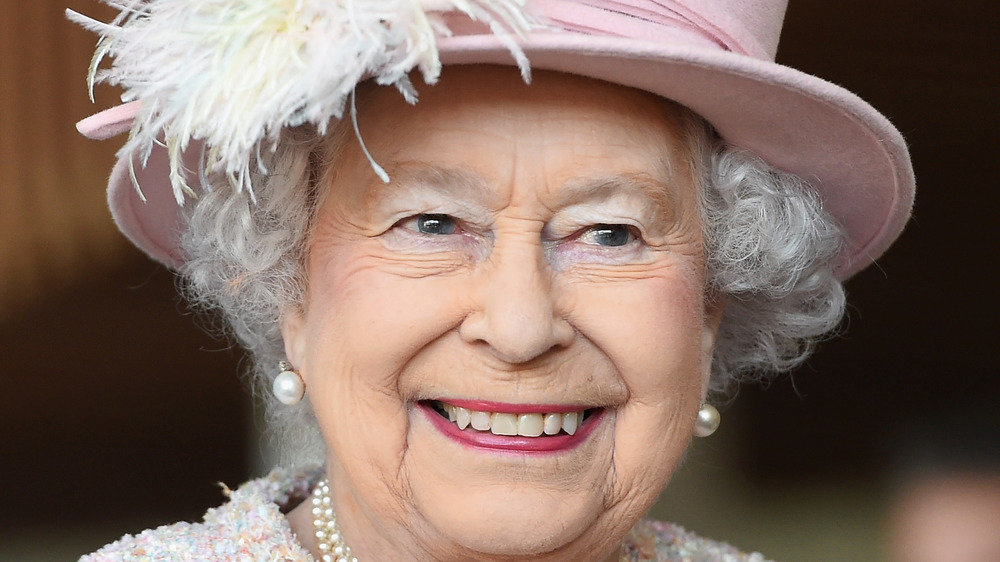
x=713, y=56
x=709, y=25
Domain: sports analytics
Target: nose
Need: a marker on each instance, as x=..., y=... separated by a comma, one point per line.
x=516, y=314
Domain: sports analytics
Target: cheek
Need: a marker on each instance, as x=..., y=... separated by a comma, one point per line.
x=364, y=324
x=651, y=329
x=378, y=315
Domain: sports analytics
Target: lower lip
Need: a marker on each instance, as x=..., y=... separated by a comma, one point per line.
x=512, y=443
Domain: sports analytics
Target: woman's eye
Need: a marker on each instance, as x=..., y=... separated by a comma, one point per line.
x=435, y=224
x=608, y=235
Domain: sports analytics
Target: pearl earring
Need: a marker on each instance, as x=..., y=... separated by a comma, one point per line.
x=708, y=421
x=288, y=387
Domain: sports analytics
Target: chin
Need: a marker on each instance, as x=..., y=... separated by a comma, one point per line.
x=495, y=502
x=519, y=523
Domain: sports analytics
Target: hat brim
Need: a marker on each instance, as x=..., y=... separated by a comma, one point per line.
x=851, y=154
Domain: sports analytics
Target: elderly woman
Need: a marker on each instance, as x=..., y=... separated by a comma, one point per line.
x=496, y=316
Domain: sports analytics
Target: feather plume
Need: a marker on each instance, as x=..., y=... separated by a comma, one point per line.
x=234, y=73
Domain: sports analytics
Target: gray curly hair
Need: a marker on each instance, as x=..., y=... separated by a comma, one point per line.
x=769, y=244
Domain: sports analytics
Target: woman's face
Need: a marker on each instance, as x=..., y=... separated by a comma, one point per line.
x=536, y=259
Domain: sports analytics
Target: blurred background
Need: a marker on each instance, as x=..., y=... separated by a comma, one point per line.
x=119, y=412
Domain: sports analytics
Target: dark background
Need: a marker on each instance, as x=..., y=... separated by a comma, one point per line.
x=117, y=406
x=920, y=344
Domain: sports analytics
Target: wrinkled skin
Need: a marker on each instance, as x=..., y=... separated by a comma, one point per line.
x=520, y=298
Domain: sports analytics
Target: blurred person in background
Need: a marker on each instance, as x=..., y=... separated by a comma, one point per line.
x=946, y=505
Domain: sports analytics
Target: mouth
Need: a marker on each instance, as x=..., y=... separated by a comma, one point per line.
x=510, y=427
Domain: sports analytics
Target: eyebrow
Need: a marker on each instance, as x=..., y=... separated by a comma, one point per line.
x=664, y=200
x=456, y=183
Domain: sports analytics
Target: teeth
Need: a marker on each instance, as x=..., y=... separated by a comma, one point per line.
x=504, y=424
x=462, y=417
x=480, y=420
x=553, y=423
x=529, y=425
x=525, y=425
x=570, y=421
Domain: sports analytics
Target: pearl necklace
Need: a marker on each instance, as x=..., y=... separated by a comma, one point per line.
x=329, y=542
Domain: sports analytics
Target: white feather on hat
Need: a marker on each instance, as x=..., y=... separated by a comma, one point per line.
x=234, y=73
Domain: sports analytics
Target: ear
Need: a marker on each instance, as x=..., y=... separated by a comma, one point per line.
x=293, y=334
x=715, y=305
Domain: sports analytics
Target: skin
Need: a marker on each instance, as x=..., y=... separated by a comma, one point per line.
x=522, y=304
x=947, y=517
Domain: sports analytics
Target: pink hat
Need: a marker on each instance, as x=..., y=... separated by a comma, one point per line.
x=713, y=56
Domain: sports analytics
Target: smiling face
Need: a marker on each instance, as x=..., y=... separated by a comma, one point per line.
x=535, y=266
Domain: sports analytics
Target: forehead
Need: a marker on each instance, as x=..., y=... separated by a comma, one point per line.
x=483, y=129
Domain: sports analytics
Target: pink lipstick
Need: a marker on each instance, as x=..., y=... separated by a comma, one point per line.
x=513, y=428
